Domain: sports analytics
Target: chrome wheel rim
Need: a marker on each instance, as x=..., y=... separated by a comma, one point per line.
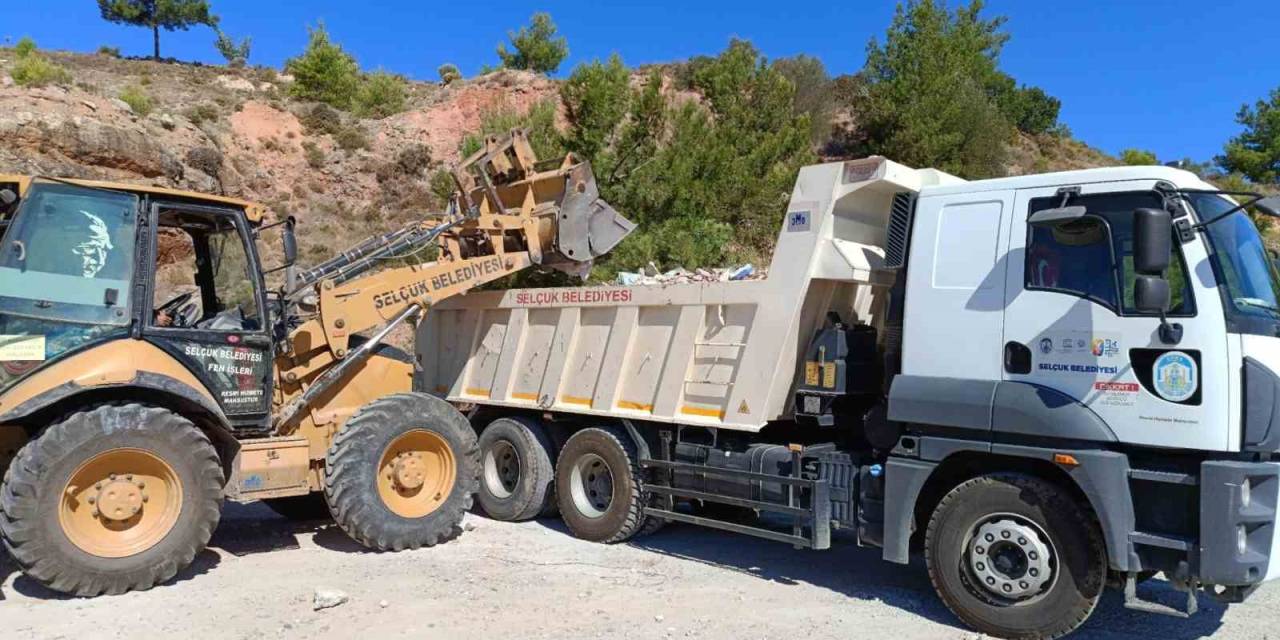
x=1010, y=559
x=501, y=469
x=591, y=485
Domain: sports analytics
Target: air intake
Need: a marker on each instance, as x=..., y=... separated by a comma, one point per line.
x=899, y=233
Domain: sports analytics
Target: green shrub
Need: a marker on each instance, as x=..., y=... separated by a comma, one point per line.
x=324, y=72
x=539, y=121
x=236, y=54
x=33, y=69
x=380, y=94
x=137, y=99
x=536, y=47
x=321, y=119
x=414, y=159
x=110, y=52
x=351, y=138
x=25, y=47
x=449, y=73
x=202, y=113
x=442, y=185
x=314, y=154
x=36, y=71
x=1137, y=157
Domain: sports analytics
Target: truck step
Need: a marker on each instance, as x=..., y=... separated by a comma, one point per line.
x=1168, y=477
x=1177, y=543
x=1132, y=601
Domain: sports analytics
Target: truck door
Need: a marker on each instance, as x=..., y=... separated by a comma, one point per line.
x=1071, y=326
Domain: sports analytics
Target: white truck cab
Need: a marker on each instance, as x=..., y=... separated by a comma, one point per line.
x=1053, y=383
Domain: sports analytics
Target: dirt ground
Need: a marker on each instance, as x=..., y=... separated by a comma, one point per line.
x=532, y=580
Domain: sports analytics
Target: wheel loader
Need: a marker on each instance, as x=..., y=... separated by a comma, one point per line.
x=148, y=371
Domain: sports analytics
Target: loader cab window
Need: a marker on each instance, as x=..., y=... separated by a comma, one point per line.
x=203, y=273
x=1092, y=258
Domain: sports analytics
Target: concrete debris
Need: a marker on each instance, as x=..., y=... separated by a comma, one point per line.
x=651, y=276
x=328, y=598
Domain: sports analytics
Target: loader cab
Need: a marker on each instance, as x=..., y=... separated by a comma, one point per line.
x=85, y=263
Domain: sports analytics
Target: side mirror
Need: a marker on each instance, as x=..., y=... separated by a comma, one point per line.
x=290, y=242
x=1151, y=294
x=1269, y=205
x=1056, y=216
x=1152, y=241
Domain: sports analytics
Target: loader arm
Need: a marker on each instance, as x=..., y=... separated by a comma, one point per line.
x=507, y=215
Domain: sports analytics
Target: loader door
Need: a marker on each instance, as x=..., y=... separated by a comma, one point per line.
x=1072, y=329
x=208, y=306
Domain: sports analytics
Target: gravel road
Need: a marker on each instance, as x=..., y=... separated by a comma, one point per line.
x=532, y=580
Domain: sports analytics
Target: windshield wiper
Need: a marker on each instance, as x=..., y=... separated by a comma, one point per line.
x=1258, y=304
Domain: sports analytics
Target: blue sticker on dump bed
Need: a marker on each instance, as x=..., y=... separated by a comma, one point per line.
x=798, y=221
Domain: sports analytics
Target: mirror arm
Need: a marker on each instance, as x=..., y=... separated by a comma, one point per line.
x=1170, y=332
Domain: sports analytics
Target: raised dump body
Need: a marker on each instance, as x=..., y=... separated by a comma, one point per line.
x=720, y=354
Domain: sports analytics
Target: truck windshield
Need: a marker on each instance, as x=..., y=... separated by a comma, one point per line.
x=66, y=263
x=1250, y=283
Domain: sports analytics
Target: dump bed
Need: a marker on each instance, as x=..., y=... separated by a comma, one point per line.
x=722, y=354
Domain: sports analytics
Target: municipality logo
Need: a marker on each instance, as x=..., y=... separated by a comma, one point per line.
x=1174, y=376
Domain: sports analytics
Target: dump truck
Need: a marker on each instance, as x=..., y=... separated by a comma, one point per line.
x=1048, y=385
x=130, y=407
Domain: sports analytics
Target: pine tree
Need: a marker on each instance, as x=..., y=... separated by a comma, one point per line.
x=170, y=15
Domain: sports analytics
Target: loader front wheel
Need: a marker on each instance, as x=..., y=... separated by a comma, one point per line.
x=402, y=472
x=112, y=499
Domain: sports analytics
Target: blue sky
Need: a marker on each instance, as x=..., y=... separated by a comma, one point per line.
x=1165, y=75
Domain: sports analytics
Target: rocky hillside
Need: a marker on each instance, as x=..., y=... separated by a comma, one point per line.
x=235, y=132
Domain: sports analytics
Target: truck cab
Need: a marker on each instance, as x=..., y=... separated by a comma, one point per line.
x=1037, y=325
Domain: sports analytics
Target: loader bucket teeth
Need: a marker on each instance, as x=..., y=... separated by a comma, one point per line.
x=588, y=226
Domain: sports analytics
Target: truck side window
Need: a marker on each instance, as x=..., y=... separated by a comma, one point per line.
x=1093, y=257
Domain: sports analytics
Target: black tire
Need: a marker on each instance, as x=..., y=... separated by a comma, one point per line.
x=352, y=463
x=304, y=508
x=1077, y=556
x=33, y=486
x=623, y=515
x=517, y=470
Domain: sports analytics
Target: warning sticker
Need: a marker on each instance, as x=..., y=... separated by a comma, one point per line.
x=1116, y=394
x=21, y=348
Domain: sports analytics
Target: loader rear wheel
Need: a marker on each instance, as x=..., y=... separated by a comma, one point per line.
x=402, y=472
x=517, y=480
x=600, y=488
x=112, y=499
x=1015, y=556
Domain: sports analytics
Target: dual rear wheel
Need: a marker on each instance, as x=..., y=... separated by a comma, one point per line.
x=594, y=481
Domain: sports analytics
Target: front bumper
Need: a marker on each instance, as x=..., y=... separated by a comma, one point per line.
x=1238, y=523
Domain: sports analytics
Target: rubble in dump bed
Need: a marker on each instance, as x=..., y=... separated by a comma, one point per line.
x=650, y=275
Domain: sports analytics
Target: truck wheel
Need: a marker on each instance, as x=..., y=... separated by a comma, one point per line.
x=112, y=499
x=311, y=506
x=517, y=476
x=402, y=471
x=599, y=486
x=1015, y=556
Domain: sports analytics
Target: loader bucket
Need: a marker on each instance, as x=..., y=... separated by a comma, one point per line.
x=588, y=227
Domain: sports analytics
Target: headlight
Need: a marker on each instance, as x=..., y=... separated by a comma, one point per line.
x=1242, y=540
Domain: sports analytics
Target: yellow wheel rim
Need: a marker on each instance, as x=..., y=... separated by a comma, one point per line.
x=416, y=473
x=120, y=503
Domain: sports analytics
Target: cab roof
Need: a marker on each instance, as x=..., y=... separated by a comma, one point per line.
x=1178, y=177
x=253, y=211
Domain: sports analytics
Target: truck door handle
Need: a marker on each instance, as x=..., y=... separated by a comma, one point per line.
x=1017, y=358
